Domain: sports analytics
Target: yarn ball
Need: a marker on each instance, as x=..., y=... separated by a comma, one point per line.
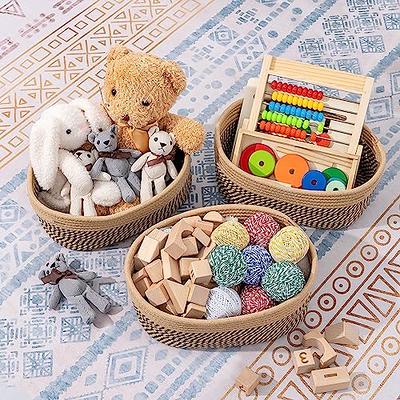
x=254, y=299
x=261, y=228
x=223, y=302
x=282, y=281
x=290, y=244
x=231, y=233
x=257, y=260
x=227, y=265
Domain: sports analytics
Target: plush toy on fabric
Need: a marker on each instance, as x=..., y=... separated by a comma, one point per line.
x=156, y=163
x=74, y=287
x=139, y=90
x=117, y=163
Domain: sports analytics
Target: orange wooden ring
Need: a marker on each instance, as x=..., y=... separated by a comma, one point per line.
x=290, y=169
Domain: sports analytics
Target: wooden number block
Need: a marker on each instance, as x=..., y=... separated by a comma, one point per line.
x=205, y=251
x=215, y=217
x=174, y=245
x=201, y=236
x=149, y=250
x=198, y=295
x=178, y=294
x=343, y=333
x=143, y=285
x=194, y=311
x=168, y=307
x=200, y=272
x=329, y=379
x=247, y=381
x=138, y=263
x=160, y=236
x=314, y=338
x=192, y=221
x=191, y=246
x=206, y=226
x=170, y=267
x=155, y=271
x=156, y=294
x=303, y=361
x=137, y=276
x=184, y=267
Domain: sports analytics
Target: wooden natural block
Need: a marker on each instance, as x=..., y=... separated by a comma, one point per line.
x=304, y=361
x=194, y=311
x=191, y=246
x=184, y=267
x=214, y=216
x=160, y=236
x=192, y=220
x=138, y=263
x=170, y=267
x=174, y=245
x=143, y=285
x=168, y=307
x=206, y=226
x=178, y=294
x=137, y=276
x=156, y=294
x=200, y=272
x=315, y=338
x=155, y=271
x=149, y=250
x=198, y=294
x=247, y=381
x=329, y=379
x=201, y=236
x=205, y=251
x=343, y=333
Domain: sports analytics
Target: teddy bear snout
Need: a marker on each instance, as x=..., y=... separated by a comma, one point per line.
x=106, y=142
x=163, y=144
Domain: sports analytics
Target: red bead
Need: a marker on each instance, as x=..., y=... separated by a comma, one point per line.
x=262, y=124
x=287, y=131
x=290, y=88
x=299, y=90
x=294, y=89
x=279, y=86
x=309, y=93
x=267, y=126
x=320, y=95
x=304, y=91
x=303, y=135
x=277, y=129
x=293, y=132
x=284, y=87
x=314, y=94
x=313, y=137
x=273, y=85
x=323, y=140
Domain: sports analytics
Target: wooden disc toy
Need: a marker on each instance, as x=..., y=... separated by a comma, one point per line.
x=334, y=172
x=335, y=185
x=262, y=163
x=290, y=169
x=313, y=180
x=248, y=151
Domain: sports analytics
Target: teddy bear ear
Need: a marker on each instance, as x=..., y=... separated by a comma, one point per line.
x=117, y=52
x=91, y=137
x=174, y=76
x=153, y=130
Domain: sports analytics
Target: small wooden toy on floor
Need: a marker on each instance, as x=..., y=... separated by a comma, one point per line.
x=247, y=381
x=343, y=333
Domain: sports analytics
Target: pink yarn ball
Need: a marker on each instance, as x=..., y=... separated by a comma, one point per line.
x=261, y=228
x=254, y=299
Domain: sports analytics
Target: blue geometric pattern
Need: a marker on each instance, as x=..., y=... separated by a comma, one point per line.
x=53, y=354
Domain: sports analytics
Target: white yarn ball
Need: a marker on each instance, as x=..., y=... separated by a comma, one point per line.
x=223, y=302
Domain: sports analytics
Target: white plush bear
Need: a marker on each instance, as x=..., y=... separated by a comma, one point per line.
x=155, y=163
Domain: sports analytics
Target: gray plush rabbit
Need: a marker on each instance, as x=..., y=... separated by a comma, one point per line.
x=74, y=287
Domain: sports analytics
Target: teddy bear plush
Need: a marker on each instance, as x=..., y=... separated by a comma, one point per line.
x=139, y=90
x=156, y=163
x=117, y=163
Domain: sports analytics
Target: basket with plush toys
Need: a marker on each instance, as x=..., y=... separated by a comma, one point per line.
x=212, y=266
x=128, y=155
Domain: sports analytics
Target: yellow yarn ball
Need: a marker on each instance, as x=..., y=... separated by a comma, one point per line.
x=289, y=244
x=233, y=233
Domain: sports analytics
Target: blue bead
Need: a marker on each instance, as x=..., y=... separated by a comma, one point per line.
x=293, y=110
x=315, y=116
x=298, y=112
x=282, y=108
x=303, y=113
x=271, y=106
x=320, y=117
x=308, y=114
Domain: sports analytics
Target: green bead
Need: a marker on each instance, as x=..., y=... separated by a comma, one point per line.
x=320, y=127
x=279, y=118
x=306, y=124
x=264, y=114
x=294, y=121
x=269, y=115
x=289, y=120
x=284, y=119
x=274, y=116
x=299, y=123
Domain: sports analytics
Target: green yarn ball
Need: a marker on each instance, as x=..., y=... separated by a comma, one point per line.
x=283, y=280
x=227, y=265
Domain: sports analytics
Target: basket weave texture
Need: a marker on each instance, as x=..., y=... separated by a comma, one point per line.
x=327, y=210
x=89, y=233
x=225, y=332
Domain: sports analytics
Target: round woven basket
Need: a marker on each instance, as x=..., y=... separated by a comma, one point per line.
x=225, y=332
x=328, y=210
x=89, y=233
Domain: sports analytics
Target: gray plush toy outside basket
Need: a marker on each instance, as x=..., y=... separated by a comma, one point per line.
x=327, y=210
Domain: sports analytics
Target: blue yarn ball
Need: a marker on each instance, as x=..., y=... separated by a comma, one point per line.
x=257, y=259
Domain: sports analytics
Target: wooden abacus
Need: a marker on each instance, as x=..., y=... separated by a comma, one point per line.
x=296, y=119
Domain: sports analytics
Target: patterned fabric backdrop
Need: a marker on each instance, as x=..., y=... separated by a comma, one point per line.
x=54, y=50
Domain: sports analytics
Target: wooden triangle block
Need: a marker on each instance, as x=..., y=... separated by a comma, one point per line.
x=342, y=333
x=178, y=294
x=214, y=216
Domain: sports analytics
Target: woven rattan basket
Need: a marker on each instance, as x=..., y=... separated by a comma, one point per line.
x=328, y=210
x=226, y=332
x=89, y=233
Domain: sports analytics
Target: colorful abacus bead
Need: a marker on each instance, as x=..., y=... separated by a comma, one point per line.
x=294, y=89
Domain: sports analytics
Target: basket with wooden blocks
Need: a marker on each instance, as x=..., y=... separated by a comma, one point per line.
x=221, y=276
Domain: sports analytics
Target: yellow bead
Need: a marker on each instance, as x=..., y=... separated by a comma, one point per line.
x=274, y=95
x=310, y=103
x=320, y=106
x=284, y=98
x=304, y=102
x=279, y=97
x=315, y=105
x=295, y=101
x=290, y=99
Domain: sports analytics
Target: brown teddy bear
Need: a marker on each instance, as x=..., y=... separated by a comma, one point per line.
x=139, y=90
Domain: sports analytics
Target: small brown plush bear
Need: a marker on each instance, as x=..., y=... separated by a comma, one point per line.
x=139, y=90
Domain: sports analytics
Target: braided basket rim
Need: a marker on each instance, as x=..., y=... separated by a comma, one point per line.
x=182, y=324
